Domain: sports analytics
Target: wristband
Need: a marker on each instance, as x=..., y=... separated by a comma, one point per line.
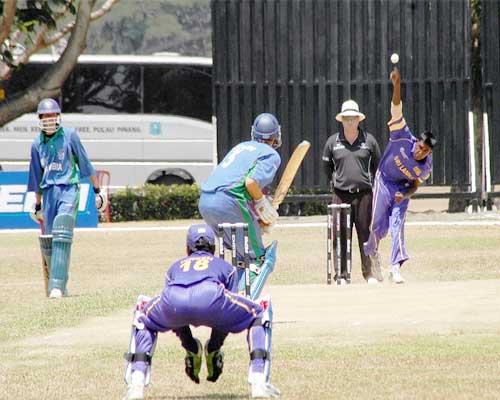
x=97, y=190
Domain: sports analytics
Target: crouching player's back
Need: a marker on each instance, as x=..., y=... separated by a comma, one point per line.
x=200, y=289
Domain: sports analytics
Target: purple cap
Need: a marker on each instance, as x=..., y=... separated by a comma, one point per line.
x=199, y=231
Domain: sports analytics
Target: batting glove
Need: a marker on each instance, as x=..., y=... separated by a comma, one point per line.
x=101, y=201
x=36, y=213
x=267, y=229
x=266, y=211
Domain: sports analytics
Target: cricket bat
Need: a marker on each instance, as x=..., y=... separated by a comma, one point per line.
x=290, y=171
x=45, y=267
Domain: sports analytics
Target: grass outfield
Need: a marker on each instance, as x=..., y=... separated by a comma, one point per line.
x=436, y=337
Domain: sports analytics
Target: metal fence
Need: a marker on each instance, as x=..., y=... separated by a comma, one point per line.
x=301, y=59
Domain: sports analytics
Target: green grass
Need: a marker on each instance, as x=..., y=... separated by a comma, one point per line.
x=60, y=350
x=407, y=368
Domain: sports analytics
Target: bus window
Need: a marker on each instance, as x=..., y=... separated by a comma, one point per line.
x=103, y=89
x=178, y=91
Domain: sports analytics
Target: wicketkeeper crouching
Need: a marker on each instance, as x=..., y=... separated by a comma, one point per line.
x=200, y=289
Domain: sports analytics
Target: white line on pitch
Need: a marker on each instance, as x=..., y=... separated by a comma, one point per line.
x=284, y=226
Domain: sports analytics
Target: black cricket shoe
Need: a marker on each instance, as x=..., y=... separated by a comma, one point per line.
x=192, y=361
x=215, y=364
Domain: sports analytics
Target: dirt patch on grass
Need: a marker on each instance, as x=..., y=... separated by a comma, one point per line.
x=363, y=313
x=352, y=314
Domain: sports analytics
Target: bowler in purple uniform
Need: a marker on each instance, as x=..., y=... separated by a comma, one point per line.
x=200, y=289
x=406, y=163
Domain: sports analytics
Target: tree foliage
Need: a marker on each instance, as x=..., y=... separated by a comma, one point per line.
x=28, y=26
x=146, y=27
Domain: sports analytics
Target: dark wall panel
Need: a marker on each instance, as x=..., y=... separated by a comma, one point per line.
x=301, y=59
x=490, y=48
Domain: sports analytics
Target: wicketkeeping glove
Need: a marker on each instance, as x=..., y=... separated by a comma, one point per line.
x=266, y=211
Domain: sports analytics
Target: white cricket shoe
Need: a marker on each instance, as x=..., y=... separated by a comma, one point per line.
x=55, y=293
x=135, y=390
x=395, y=274
x=262, y=389
x=372, y=281
x=343, y=282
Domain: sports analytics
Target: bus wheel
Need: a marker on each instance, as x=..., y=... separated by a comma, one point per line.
x=170, y=180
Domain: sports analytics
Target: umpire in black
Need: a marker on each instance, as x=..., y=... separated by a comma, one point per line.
x=350, y=159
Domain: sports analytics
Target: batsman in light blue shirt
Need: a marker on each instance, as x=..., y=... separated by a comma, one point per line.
x=58, y=162
x=234, y=192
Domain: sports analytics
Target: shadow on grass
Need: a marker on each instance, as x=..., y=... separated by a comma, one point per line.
x=225, y=396
x=284, y=322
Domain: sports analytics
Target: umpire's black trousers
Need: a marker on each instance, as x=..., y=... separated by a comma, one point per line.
x=361, y=216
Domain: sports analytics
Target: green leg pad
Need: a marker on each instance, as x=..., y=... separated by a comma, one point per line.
x=62, y=237
x=46, y=247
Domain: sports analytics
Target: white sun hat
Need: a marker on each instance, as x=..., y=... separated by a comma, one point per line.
x=350, y=109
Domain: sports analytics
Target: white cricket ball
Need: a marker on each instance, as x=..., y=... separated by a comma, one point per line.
x=394, y=58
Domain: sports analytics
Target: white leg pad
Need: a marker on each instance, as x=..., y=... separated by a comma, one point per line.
x=141, y=302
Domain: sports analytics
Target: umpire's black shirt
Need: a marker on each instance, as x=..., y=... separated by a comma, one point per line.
x=351, y=167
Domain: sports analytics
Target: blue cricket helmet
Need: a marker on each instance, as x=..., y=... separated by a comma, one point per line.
x=199, y=234
x=267, y=127
x=49, y=125
x=48, y=106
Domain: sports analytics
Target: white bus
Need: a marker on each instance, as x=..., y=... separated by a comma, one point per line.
x=144, y=119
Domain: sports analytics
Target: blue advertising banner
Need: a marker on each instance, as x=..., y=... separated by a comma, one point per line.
x=15, y=203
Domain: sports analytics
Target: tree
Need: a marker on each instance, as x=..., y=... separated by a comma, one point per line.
x=33, y=25
x=147, y=27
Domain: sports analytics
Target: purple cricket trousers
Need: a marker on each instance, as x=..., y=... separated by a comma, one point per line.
x=205, y=303
x=387, y=214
